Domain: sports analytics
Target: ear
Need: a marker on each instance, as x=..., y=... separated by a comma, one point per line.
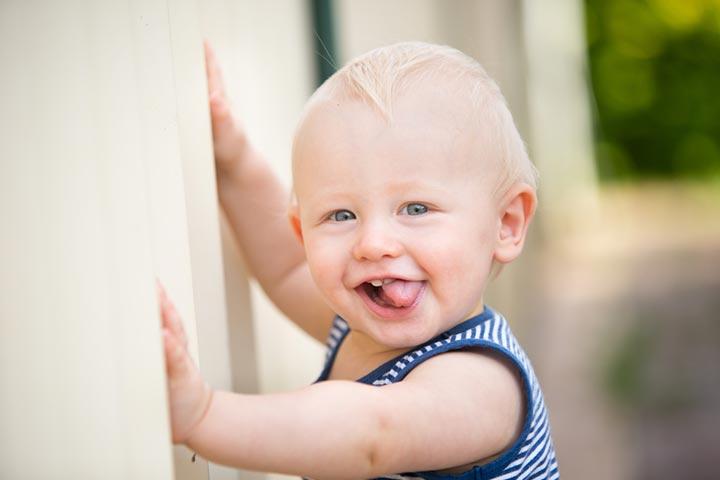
x=294, y=217
x=516, y=211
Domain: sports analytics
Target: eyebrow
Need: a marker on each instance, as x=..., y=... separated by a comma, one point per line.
x=418, y=185
x=337, y=194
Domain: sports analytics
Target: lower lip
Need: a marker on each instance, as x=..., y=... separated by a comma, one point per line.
x=389, y=313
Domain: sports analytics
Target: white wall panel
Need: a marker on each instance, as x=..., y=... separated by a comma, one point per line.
x=217, y=332
x=106, y=182
x=83, y=393
x=162, y=152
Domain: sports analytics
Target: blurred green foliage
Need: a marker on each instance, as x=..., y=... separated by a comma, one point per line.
x=655, y=75
x=628, y=375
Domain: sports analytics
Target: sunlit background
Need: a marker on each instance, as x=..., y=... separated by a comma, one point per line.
x=654, y=341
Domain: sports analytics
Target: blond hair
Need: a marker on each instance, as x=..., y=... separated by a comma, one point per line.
x=380, y=75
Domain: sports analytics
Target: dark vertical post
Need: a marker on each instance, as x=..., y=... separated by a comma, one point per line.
x=324, y=39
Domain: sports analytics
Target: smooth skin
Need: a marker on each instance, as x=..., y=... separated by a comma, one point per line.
x=455, y=410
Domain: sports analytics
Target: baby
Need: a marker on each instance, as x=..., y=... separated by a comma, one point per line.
x=412, y=188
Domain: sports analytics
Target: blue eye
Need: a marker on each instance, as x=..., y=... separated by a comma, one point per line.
x=415, y=209
x=341, y=216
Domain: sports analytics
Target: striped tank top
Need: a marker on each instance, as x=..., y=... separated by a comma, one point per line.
x=532, y=456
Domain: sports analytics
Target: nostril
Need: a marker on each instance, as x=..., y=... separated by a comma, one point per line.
x=376, y=248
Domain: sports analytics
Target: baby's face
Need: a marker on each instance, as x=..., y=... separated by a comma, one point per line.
x=398, y=220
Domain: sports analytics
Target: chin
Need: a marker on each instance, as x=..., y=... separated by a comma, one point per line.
x=403, y=334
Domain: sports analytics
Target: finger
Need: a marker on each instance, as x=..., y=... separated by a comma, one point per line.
x=171, y=320
x=162, y=300
x=212, y=69
x=160, y=289
x=176, y=357
x=175, y=323
x=219, y=108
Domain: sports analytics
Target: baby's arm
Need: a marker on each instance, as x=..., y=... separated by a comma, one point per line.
x=256, y=205
x=455, y=409
x=341, y=429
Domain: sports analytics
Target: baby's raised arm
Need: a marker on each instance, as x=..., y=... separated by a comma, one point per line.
x=256, y=206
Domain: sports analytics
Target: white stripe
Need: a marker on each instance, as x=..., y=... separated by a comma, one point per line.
x=535, y=456
x=541, y=435
x=506, y=476
x=487, y=331
x=540, y=406
x=539, y=429
x=496, y=328
x=398, y=477
x=514, y=463
x=503, y=336
x=538, y=458
x=546, y=464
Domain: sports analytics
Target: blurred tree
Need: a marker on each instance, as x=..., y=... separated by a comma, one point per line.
x=655, y=72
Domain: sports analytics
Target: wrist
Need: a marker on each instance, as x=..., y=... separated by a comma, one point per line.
x=246, y=170
x=208, y=396
x=227, y=165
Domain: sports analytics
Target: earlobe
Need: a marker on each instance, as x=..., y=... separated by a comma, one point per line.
x=294, y=217
x=516, y=213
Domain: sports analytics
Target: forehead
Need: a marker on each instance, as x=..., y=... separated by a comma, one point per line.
x=432, y=134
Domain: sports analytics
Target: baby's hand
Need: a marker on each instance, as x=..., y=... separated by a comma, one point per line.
x=230, y=142
x=188, y=393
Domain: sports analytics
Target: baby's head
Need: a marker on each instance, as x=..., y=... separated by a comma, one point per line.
x=411, y=184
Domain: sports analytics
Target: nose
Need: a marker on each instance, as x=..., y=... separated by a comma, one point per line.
x=376, y=241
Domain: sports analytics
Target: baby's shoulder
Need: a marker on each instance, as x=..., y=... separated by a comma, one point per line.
x=470, y=371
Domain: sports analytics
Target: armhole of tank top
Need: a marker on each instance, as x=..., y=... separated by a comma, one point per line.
x=333, y=345
x=495, y=466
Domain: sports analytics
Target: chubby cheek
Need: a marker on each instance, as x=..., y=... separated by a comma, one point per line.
x=327, y=265
x=458, y=266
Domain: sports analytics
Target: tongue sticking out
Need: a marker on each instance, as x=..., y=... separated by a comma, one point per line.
x=400, y=293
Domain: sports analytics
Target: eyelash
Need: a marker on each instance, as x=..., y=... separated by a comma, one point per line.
x=330, y=216
x=405, y=208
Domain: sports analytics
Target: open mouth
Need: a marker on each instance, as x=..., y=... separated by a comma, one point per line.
x=391, y=297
